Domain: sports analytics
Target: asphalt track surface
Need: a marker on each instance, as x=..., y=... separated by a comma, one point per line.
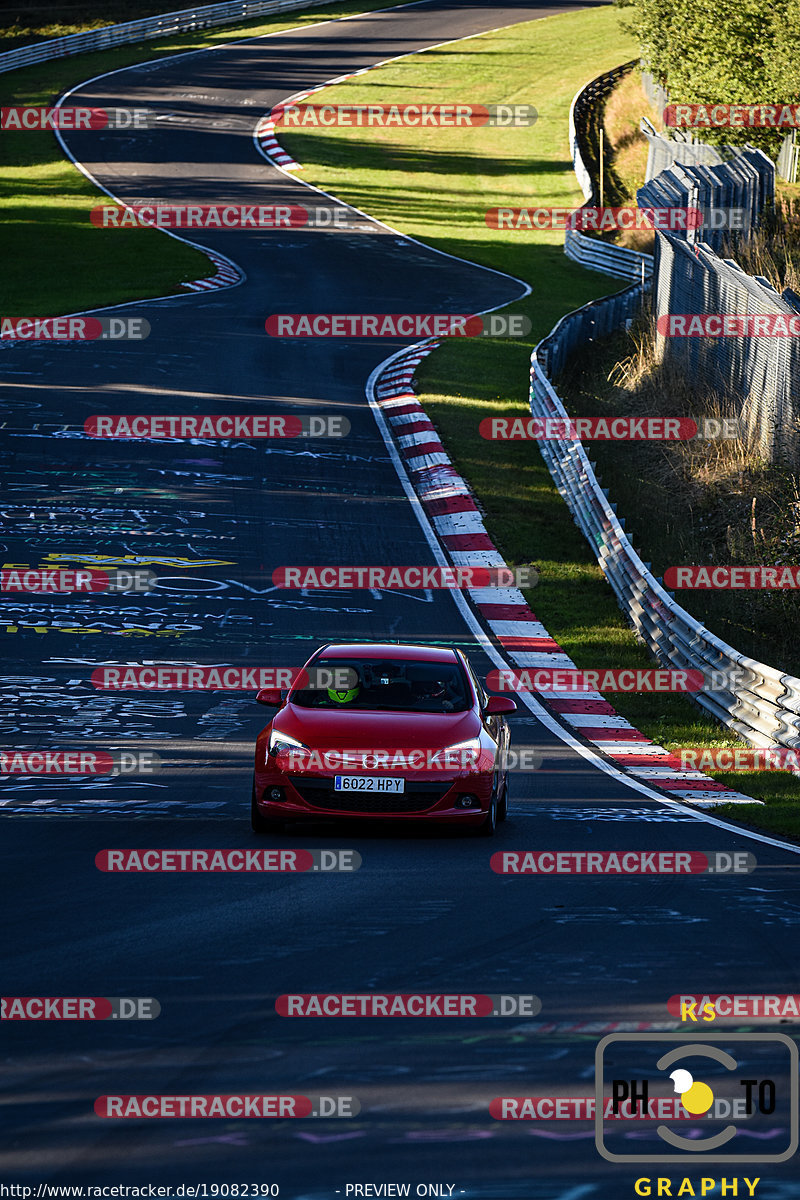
x=424, y=912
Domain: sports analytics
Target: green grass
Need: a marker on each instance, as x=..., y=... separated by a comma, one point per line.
x=436, y=184
x=54, y=260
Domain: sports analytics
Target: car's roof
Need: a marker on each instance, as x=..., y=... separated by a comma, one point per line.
x=388, y=650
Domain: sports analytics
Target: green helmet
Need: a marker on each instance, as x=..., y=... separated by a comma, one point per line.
x=344, y=697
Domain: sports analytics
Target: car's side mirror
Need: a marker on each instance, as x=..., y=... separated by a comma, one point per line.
x=272, y=697
x=497, y=706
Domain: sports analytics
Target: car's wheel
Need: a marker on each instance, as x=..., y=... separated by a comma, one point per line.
x=502, y=808
x=259, y=823
x=488, y=826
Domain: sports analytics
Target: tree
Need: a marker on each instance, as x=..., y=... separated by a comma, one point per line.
x=704, y=52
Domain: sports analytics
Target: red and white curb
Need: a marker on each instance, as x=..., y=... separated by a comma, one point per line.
x=265, y=137
x=271, y=147
x=227, y=273
x=452, y=511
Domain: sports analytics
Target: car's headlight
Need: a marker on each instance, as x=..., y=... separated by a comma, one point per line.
x=282, y=741
x=461, y=754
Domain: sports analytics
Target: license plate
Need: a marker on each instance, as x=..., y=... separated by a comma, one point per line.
x=368, y=783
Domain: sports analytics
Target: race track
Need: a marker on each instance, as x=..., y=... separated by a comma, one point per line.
x=213, y=520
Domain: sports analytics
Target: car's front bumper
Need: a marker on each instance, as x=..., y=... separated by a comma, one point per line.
x=429, y=796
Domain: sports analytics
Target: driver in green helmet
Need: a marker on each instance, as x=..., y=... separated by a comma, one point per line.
x=344, y=697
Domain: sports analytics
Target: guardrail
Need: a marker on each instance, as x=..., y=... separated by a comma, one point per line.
x=145, y=28
x=595, y=253
x=758, y=702
x=761, y=703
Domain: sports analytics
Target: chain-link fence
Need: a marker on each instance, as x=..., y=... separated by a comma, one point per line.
x=788, y=161
x=655, y=93
x=730, y=195
x=754, y=700
x=760, y=373
x=665, y=152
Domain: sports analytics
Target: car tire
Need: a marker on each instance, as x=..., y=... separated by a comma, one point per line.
x=258, y=823
x=488, y=826
x=502, y=808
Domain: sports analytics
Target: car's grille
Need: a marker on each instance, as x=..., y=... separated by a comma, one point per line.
x=319, y=793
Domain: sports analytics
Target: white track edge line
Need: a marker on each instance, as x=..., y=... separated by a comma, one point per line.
x=470, y=620
x=492, y=653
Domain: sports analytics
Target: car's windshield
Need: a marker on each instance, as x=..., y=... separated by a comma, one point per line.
x=394, y=685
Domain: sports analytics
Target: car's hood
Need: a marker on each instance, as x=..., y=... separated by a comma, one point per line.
x=328, y=729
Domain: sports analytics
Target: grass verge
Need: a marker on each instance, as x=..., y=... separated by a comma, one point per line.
x=436, y=185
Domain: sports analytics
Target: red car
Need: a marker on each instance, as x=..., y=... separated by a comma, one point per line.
x=383, y=732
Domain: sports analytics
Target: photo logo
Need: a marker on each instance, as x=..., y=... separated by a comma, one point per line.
x=741, y=1090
